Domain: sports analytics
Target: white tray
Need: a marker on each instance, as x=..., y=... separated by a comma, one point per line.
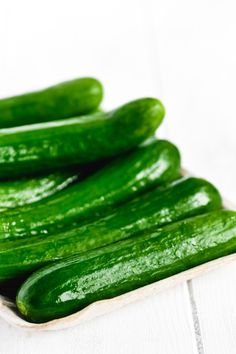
x=8, y=310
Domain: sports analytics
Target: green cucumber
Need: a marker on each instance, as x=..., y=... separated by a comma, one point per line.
x=70, y=285
x=14, y=194
x=40, y=147
x=149, y=165
x=180, y=199
x=68, y=99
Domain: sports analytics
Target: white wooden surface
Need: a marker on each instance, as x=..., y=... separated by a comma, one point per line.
x=183, y=52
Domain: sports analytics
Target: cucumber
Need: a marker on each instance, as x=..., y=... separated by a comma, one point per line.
x=70, y=285
x=75, y=97
x=147, y=166
x=27, y=191
x=41, y=147
x=180, y=199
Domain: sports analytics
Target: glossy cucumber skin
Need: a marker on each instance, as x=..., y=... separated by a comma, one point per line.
x=122, y=179
x=180, y=199
x=18, y=193
x=75, y=141
x=68, y=99
x=72, y=284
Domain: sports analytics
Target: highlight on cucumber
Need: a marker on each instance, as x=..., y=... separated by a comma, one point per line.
x=94, y=204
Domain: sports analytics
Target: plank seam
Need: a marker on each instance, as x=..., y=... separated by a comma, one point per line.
x=195, y=317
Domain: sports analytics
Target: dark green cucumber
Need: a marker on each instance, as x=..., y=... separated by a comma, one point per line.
x=27, y=191
x=180, y=199
x=122, y=179
x=68, y=99
x=75, y=141
x=70, y=285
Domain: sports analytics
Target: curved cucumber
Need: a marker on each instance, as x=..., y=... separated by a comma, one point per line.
x=27, y=191
x=122, y=179
x=179, y=200
x=72, y=284
x=39, y=147
x=68, y=99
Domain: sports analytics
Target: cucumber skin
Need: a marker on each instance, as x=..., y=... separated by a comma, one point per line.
x=15, y=194
x=41, y=147
x=68, y=99
x=179, y=200
x=122, y=179
x=70, y=285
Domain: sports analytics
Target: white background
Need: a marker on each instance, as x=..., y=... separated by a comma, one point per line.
x=183, y=52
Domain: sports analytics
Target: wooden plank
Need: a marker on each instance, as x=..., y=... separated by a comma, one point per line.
x=108, y=40
x=201, y=120
x=214, y=294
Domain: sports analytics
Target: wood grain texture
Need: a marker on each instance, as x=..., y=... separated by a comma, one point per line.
x=197, y=86
x=182, y=52
x=215, y=297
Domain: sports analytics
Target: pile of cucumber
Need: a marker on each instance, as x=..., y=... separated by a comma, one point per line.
x=93, y=205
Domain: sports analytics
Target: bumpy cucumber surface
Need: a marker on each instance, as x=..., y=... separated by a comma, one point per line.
x=68, y=99
x=70, y=285
x=180, y=199
x=122, y=179
x=27, y=191
x=75, y=141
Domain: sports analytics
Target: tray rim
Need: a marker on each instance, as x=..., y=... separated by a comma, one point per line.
x=102, y=307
